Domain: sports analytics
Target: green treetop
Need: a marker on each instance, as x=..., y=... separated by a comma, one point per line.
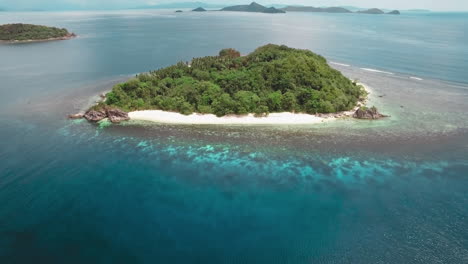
x=23, y=32
x=271, y=79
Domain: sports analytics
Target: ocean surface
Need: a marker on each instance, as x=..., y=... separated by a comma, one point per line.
x=387, y=191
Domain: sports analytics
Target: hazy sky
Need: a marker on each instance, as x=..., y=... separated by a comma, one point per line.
x=113, y=4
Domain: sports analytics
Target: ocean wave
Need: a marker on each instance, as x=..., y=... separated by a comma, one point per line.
x=374, y=70
x=416, y=78
x=340, y=64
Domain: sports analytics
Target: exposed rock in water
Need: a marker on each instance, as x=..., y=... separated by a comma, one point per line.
x=76, y=116
x=368, y=113
x=95, y=115
x=116, y=115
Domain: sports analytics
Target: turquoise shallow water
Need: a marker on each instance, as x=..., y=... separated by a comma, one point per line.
x=392, y=191
x=108, y=197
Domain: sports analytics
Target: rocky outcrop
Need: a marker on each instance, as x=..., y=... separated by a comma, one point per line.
x=116, y=115
x=95, y=115
x=101, y=111
x=76, y=116
x=368, y=113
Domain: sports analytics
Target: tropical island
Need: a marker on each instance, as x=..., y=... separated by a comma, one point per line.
x=296, y=85
x=30, y=33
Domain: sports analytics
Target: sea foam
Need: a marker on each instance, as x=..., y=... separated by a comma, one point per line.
x=374, y=70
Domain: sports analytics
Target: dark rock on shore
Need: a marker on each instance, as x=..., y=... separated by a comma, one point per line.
x=368, y=113
x=116, y=115
x=76, y=116
x=95, y=115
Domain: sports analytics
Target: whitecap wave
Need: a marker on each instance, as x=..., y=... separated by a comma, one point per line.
x=374, y=70
x=340, y=64
x=416, y=78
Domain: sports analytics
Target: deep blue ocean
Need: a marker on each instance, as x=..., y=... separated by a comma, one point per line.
x=388, y=191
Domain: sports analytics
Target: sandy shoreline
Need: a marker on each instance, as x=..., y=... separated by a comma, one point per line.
x=285, y=118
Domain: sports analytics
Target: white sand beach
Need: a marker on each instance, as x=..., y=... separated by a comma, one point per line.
x=285, y=118
x=272, y=119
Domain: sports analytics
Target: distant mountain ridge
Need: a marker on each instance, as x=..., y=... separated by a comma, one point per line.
x=373, y=11
x=315, y=9
x=335, y=10
x=376, y=11
x=253, y=7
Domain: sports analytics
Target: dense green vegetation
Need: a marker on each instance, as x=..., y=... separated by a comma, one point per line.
x=271, y=79
x=22, y=32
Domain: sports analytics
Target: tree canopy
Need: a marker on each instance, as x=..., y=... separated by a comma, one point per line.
x=271, y=79
x=21, y=32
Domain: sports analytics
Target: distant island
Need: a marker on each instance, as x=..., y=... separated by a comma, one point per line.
x=29, y=33
x=315, y=9
x=253, y=7
x=376, y=11
x=373, y=11
x=335, y=10
x=179, y=11
x=272, y=79
x=199, y=9
x=394, y=12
